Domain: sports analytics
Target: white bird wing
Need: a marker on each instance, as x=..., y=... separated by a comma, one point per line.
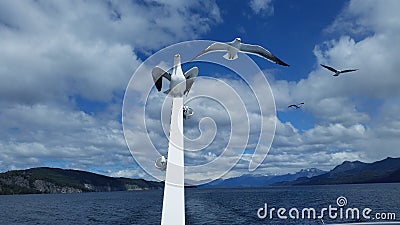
x=215, y=47
x=157, y=74
x=260, y=51
x=190, y=77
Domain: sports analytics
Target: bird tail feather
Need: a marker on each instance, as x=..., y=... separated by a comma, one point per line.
x=227, y=56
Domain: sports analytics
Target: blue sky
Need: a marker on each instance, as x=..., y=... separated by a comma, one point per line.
x=64, y=67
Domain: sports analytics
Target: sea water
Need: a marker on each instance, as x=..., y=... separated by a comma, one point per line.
x=209, y=206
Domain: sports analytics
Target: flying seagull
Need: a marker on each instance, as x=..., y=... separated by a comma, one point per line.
x=179, y=83
x=337, y=72
x=235, y=46
x=296, y=106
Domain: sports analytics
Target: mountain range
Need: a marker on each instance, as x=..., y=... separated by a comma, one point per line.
x=257, y=180
x=356, y=172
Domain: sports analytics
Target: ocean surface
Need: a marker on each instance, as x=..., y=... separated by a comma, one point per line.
x=206, y=206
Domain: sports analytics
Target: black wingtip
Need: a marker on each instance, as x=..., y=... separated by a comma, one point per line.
x=280, y=62
x=283, y=64
x=159, y=84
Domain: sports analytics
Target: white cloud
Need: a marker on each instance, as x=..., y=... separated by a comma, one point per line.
x=355, y=114
x=262, y=7
x=209, y=134
x=79, y=48
x=64, y=67
x=57, y=54
x=40, y=132
x=346, y=125
x=367, y=16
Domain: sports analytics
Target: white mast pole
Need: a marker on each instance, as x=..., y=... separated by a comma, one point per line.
x=173, y=212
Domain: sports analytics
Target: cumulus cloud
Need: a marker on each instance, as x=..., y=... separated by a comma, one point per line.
x=56, y=136
x=64, y=67
x=355, y=115
x=63, y=70
x=344, y=126
x=222, y=128
x=262, y=7
x=364, y=17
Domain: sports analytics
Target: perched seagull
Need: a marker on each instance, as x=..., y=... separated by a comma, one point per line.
x=179, y=83
x=337, y=72
x=296, y=106
x=235, y=46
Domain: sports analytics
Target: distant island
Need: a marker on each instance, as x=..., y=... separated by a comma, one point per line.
x=53, y=180
x=356, y=172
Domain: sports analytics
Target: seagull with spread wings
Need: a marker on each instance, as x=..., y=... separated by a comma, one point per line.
x=179, y=83
x=337, y=72
x=235, y=46
x=296, y=106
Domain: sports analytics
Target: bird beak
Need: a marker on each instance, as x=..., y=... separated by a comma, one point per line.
x=177, y=60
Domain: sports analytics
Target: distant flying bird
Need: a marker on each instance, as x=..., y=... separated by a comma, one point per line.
x=235, y=46
x=296, y=106
x=337, y=72
x=179, y=83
